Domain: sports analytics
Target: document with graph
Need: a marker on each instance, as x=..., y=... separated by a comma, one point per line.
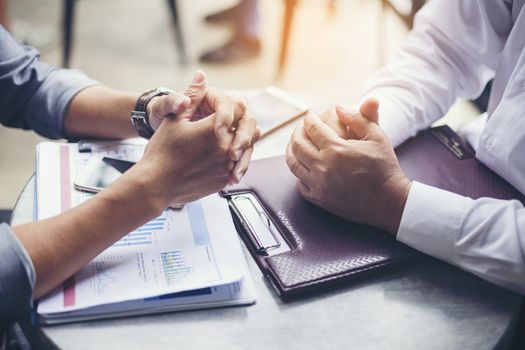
x=186, y=258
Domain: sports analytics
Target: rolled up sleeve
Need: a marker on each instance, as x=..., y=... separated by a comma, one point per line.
x=17, y=278
x=35, y=95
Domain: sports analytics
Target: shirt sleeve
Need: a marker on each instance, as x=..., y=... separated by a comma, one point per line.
x=33, y=94
x=451, y=52
x=17, y=278
x=485, y=236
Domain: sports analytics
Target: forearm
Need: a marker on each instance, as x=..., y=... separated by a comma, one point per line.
x=60, y=246
x=101, y=112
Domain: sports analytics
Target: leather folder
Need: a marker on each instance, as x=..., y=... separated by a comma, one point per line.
x=301, y=247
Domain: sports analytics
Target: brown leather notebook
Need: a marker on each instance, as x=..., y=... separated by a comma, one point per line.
x=301, y=247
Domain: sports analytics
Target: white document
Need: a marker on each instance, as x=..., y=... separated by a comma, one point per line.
x=181, y=250
x=237, y=293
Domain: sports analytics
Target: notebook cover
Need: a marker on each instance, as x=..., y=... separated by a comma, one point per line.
x=325, y=248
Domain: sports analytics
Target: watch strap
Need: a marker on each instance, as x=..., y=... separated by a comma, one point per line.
x=139, y=115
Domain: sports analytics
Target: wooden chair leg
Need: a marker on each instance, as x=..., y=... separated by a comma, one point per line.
x=179, y=37
x=289, y=10
x=67, y=31
x=332, y=5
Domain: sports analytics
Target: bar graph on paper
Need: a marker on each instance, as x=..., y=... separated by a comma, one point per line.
x=174, y=267
x=143, y=235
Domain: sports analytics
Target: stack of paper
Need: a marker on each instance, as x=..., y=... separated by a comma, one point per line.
x=183, y=259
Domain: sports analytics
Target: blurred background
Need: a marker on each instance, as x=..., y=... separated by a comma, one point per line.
x=323, y=48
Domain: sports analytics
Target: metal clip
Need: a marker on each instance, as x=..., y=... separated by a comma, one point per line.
x=263, y=233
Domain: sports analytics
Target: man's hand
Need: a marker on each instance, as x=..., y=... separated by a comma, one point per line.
x=229, y=114
x=357, y=178
x=184, y=161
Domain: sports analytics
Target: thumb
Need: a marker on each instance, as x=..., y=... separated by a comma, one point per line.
x=370, y=109
x=162, y=106
x=361, y=125
x=196, y=92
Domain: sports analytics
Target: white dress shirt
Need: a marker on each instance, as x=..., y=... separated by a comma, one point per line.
x=456, y=47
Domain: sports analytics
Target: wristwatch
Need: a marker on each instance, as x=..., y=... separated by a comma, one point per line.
x=139, y=115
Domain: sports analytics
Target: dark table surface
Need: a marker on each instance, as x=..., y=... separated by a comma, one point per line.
x=429, y=305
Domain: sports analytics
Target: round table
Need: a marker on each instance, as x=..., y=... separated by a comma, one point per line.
x=430, y=305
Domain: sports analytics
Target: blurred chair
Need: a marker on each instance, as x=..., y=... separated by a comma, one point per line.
x=68, y=16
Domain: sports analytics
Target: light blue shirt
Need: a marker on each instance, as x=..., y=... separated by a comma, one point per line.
x=33, y=95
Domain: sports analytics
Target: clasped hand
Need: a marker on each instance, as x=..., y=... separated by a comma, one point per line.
x=344, y=163
x=203, y=141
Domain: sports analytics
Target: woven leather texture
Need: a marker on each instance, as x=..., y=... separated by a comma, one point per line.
x=326, y=248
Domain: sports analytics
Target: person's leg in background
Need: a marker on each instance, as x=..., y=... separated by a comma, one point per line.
x=245, y=42
x=4, y=14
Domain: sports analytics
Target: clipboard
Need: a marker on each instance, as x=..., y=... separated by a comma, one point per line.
x=302, y=248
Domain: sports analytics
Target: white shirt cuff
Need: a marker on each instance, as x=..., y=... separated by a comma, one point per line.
x=432, y=220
